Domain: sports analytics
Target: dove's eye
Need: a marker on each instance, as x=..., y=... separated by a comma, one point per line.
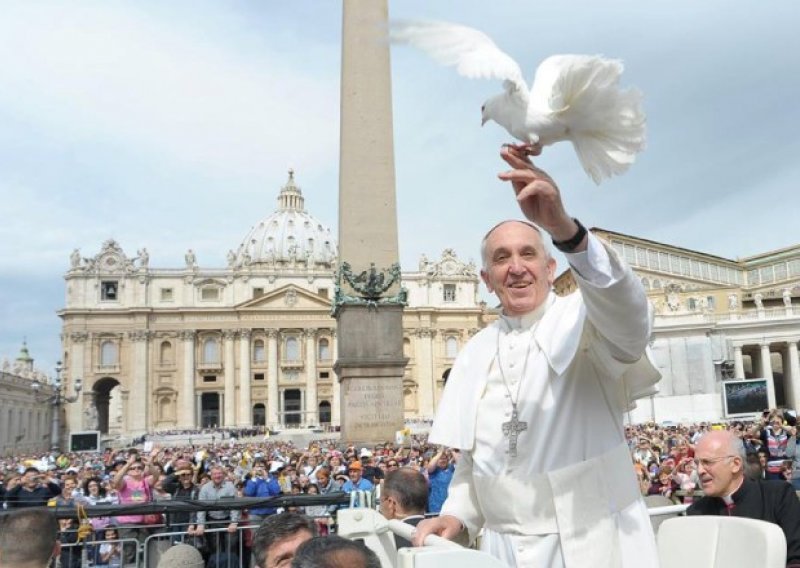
x=483, y=108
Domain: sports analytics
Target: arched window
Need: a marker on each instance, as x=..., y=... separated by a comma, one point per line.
x=165, y=353
x=259, y=356
x=323, y=350
x=292, y=349
x=108, y=354
x=451, y=347
x=210, y=351
x=646, y=283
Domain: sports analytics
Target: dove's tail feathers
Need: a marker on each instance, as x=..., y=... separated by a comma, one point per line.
x=605, y=123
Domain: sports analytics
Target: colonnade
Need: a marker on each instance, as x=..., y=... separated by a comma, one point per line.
x=760, y=353
x=144, y=378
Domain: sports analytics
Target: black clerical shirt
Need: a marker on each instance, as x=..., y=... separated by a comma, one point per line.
x=772, y=501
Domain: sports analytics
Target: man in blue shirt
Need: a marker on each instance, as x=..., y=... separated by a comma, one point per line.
x=261, y=484
x=356, y=482
x=440, y=474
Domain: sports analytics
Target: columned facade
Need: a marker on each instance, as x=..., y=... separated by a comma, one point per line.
x=25, y=414
x=717, y=321
x=248, y=343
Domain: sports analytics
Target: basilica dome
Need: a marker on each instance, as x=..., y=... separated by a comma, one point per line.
x=289, y=236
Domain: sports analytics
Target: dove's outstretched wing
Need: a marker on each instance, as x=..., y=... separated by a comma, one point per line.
x=470, y=51
x=606, y=124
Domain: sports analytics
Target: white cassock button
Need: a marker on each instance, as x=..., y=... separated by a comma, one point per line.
x=511, y=364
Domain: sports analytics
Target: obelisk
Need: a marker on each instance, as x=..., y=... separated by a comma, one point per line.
x=368, y=304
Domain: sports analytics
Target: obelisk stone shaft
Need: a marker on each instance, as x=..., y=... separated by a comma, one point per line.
x=370, y=363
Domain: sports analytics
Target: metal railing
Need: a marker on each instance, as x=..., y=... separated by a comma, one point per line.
x=231, y=548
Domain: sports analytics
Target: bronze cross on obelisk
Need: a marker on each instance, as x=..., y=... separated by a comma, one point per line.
x=512, y=428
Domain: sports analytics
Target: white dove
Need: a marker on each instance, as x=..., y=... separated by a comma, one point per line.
x=573, y=97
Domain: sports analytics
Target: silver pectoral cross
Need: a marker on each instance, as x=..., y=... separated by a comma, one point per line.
x=511, y=429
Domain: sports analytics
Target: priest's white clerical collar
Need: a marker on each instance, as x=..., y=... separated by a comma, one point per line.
x=526, y=321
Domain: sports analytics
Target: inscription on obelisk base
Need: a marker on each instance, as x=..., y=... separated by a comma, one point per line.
x=370, y=367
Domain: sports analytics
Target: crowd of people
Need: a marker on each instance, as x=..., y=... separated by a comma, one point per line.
x=663, y=456
x=207, y=472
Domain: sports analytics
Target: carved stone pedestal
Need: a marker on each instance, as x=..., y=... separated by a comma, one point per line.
x=370, y=369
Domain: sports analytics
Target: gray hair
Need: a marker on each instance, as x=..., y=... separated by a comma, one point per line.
x=409, y=487
x=735, y=446
x=334, y=552
x=534, y=226
x=28, y=537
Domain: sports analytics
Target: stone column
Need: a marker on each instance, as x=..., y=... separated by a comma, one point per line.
x=198, y=406
x=272, y=378
x=370, y=365
x=245, y=413
x=188, y=414
x=124, y=406
x=139, y=402
x=738, y=362
x=794, y=373
x=426, y=387
x=311, y=416
x=77, y=369
x=228, y=336
x=766, y=371
x=336, y=415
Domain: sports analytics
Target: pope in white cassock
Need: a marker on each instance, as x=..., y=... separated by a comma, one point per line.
x=535, y=401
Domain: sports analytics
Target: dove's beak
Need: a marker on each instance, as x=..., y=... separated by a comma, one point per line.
x=483, y=120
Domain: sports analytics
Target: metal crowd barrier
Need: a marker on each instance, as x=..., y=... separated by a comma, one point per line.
x=85, y=553
x=232, y=549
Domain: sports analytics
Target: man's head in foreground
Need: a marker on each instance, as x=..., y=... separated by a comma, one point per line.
x=334, y=552
x=517, y=267
x=720, y=458
x=278, y=537
x=28, y=539
x=405, y=493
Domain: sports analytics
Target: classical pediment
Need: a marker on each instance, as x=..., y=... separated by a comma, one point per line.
x=289, y=297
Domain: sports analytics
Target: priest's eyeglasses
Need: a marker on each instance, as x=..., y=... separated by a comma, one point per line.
x=709, y=462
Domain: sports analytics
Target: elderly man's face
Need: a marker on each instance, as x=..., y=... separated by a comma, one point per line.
x=217, y=475
x=719, y=471
x=354, y=474
x=281, y=553
x=518, y=270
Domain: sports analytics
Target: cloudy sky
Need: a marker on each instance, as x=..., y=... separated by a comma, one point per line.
x=171, y=125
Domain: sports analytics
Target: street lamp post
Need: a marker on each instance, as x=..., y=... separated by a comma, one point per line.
x=57, y=399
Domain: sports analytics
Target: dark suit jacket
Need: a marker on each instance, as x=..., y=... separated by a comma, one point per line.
x=412, y=520
x=772, y=501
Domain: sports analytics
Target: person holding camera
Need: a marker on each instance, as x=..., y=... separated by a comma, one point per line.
x=264, y=485
x=34, y=490
x=776, y=439
x=440, y=473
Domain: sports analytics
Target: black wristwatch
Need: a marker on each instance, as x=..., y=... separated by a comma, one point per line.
x=570, y=244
